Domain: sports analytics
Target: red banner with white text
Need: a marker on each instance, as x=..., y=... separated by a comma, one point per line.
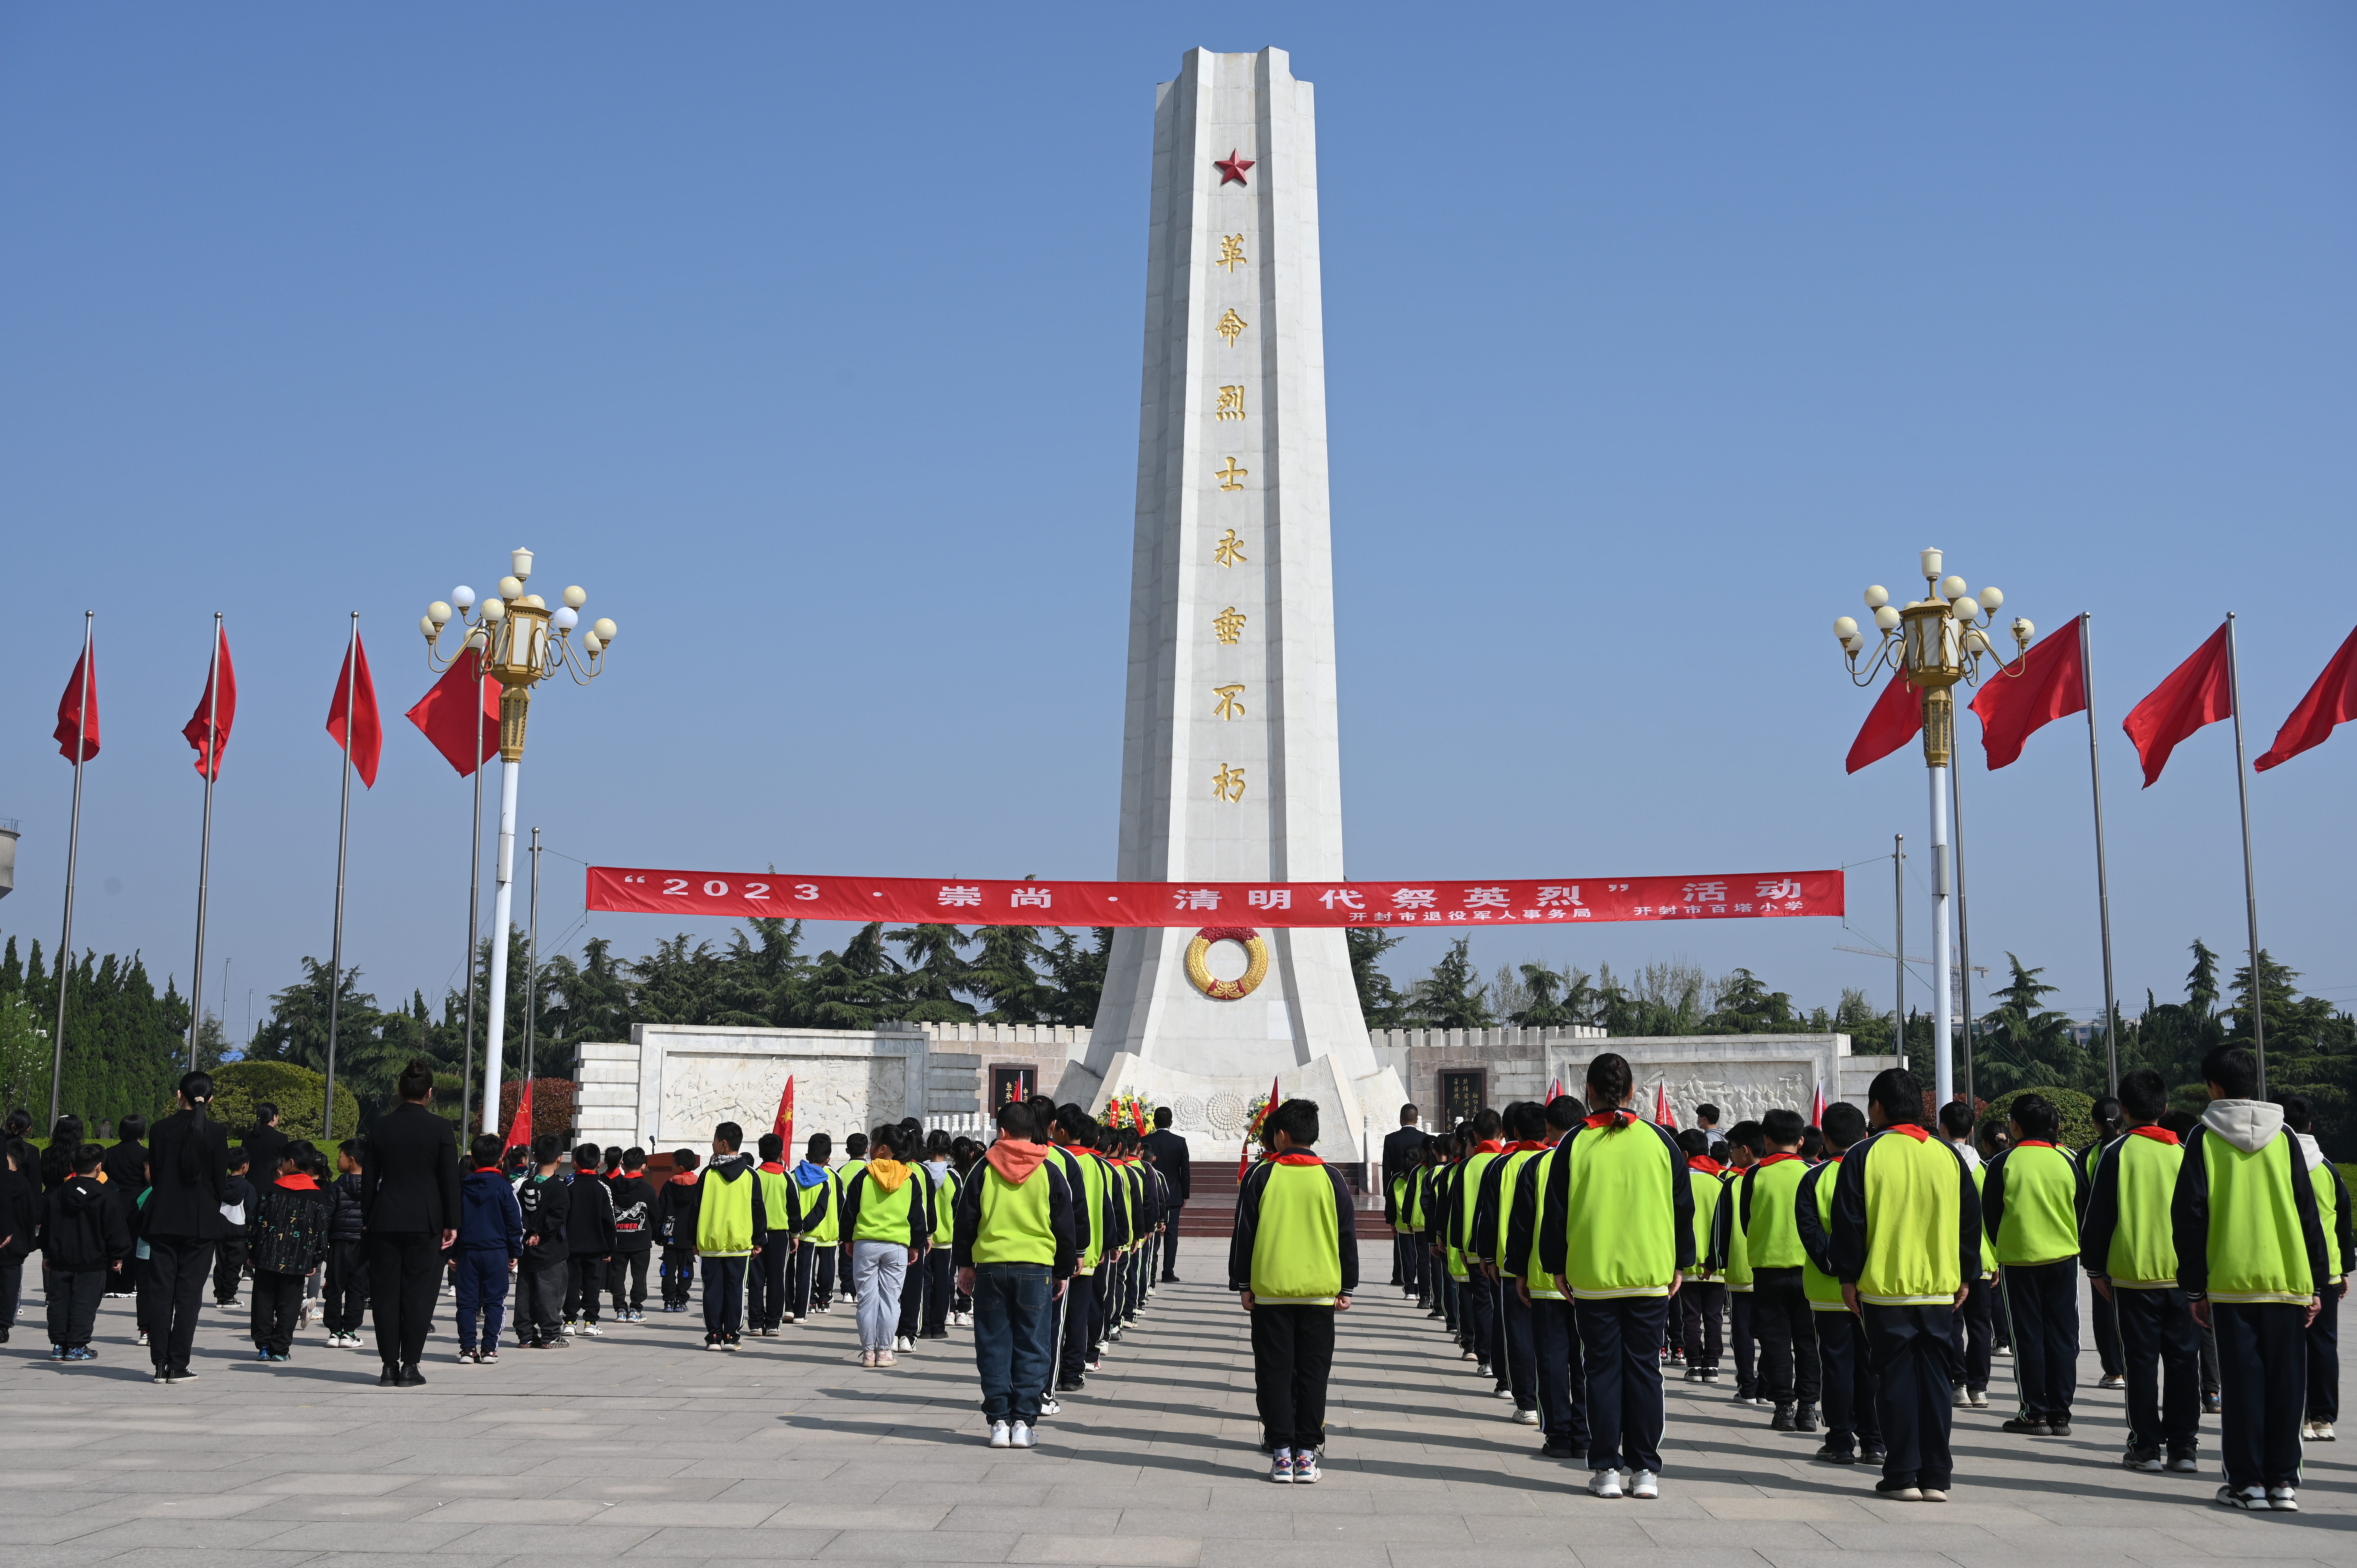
x=960, y=901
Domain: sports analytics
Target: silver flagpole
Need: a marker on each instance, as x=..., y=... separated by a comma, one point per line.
x=1898, y=945
x=2250, y=878
x=343, y=832
x=474, y=885
x=531, y=962
x=205, y=843
x=73, y=852
x=1964, y=927
x=2102, y=877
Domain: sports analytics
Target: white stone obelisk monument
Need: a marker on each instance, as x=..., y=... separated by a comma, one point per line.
x=1231, y=767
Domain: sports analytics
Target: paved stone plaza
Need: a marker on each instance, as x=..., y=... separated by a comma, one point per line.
x=641, y=1447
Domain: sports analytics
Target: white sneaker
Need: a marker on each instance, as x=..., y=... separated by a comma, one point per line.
x=2284, y=1499
x=1305, y=1466
x=1050, y=1405
x=1604, y=1484
x=571, y=1327
x=1526, y=1418
x=1021, y=1436
x=1280, y=1468
x=2323, y=1432
x=998, y=1435
x=2254, y=1499
x=592, y=1331
x=1960, y=1399
x=1644, y=1484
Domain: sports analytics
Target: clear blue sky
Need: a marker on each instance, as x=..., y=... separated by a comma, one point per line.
x=807, y=339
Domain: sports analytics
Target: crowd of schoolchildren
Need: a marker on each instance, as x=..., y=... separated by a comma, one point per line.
x=1862, y=1273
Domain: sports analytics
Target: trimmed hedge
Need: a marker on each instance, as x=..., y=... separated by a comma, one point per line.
x=298, y=1092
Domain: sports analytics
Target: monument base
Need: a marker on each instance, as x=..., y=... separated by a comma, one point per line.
x=1213, y=1112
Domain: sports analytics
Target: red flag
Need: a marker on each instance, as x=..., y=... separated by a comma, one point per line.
x=2052, y=683
x=784, y=1124
x=208, y=730
x=77, y=728
x=520, y=1127
x=1554, y=1092
x=1896, y=718
x=1818, y=1106
x=353, y=688
x=444, y=716
x=2196, y=693
x=2331, y=700
x=1663, y=1115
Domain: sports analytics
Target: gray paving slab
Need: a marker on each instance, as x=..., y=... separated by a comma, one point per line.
x=641, y=1448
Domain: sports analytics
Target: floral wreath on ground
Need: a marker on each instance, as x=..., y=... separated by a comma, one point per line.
x=1126, y=1110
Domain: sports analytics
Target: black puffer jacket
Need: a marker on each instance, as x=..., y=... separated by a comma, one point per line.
x=83, y=1227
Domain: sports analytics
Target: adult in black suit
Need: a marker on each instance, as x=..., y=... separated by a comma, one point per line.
x=1400, y=1152
x=188, y=1156
x=265, y=1142
x=409, y=1218
x=1170, y=1159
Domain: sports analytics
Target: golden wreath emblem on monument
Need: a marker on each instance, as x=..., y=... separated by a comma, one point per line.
x=1198, y=969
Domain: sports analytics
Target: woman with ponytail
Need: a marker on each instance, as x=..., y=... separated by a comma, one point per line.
x=188, y=1155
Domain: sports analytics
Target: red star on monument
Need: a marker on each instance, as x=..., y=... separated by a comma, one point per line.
x=1231, y=169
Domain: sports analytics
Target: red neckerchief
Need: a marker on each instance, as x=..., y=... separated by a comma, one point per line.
x=2033, y=1143
x=1771, y=1159
x=1705, y=1164
x=1527, y=1145
x=1298, y=1157
x=638, y=1174
x=684, y=1179
x=488, y=1170
x=2158, y=1134
x=773, y=1167
x=1489, y=1147
x=1908, y=1129
x=1610, y=1118
x=298, y=1181
x=1833, y=1159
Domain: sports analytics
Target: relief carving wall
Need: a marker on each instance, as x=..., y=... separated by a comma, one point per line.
x=839, y=1094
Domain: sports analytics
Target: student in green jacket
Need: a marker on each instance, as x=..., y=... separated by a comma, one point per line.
x=1295, y=1260
x=1906, y=1237
x=887, y=1222
x=1562, y=1383
x=818, y=1194
x=1702, y=1300
x=1403, y=1206
x=1477, y=1313
x=2129, y=1252
x=1493, y=1218
x=1746, y=1147
x=1618, y=1229
x=2031, y=1197
x=1853, y=1425
x=1012, y=1241
x=2250, y=1257
x=2340, y=1258
x=1766, y=1211
x=730, y=1226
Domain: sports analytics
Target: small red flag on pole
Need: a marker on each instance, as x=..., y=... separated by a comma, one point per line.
x=2331, y=700
x=2196, y=693
x=208, y=729
x=2052, y=684
x=354, y=710
x=1896, y=718
x=519, y=1128
x=1817, y=1105
x=1554, y=1092
x=77, y=731
x=784, y=1124
x=1663, y=1115
x=444, y=717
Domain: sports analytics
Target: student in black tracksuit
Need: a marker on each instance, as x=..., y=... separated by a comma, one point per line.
x=345, y=1300
x=2109, y=1124
x=588, y=1241
x=1559, y=1380
x=229, y=1264
x=634, y=1235
x=20, y=1218
x=546, y=1204
x=83, y=1232
x=676, y=1206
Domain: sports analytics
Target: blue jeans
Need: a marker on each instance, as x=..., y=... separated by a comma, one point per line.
x=1014, y=1314
x=482, y=1289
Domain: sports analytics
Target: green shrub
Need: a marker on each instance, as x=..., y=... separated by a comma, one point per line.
x=2078, y=1113
x=298, y=1092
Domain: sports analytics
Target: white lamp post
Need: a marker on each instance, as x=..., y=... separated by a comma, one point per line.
x=519, y=641
x=1938, y=640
